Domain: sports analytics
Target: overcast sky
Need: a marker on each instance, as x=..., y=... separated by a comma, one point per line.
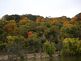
x=53, y=8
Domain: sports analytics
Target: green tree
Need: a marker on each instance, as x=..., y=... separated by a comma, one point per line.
x=33, y=43
x=71, y=46
x=15, y=46
x=49, y=48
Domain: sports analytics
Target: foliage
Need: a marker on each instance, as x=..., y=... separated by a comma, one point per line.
x=71, y=46
x=49, y=48
x=33, y=43
x=33, y=33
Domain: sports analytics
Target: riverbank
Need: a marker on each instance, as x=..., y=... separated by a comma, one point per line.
x=27, y=56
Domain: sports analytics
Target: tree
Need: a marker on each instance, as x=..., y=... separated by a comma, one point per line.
x=40, y=19
x=11, y=27
x=33, y=43
x=71, y=46
x=71, y=31
x=15, y=46
x=49, y=48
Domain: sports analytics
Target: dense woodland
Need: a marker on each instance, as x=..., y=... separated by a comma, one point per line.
x=20, y=34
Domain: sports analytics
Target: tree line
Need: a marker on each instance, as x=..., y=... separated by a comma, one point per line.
x=36, y=34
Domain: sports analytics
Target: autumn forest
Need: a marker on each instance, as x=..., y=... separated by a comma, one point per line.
x=36, y=34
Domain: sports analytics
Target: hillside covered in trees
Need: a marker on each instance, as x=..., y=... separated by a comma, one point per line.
x=36, y=34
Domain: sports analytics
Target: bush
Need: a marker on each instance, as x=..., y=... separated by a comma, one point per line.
x=49, y=48
x=71, y=46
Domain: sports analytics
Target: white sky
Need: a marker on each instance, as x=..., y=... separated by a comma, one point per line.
x=53, y=8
